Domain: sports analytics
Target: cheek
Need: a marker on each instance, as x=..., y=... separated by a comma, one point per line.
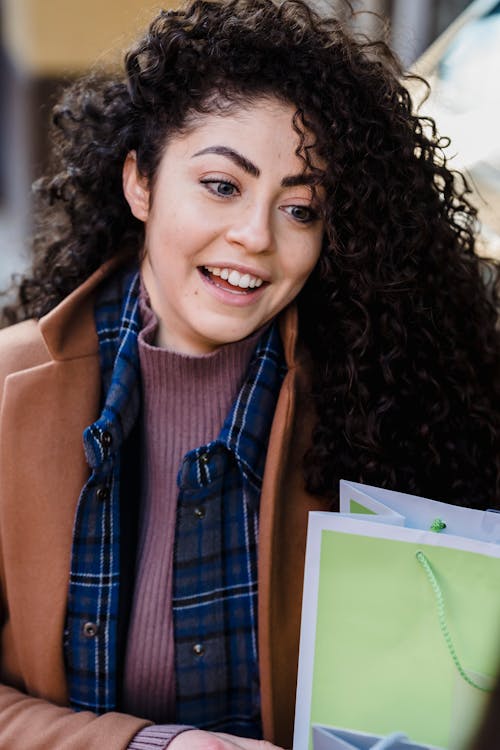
x=299, y=266
x=168, y=243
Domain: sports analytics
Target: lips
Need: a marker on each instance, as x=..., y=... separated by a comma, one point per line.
x=230, y=278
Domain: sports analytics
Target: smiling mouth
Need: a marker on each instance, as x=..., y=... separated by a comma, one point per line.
x=232, y=280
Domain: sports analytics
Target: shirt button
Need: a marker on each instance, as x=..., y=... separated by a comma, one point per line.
x=90, y=629
x=198, y=649
x=204, y=459
x=103, y=494
x=106, y=439
x=199, y=512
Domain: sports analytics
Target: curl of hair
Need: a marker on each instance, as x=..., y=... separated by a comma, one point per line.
x=400, y=314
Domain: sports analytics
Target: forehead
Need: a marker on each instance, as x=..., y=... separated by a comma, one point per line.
x=266, y=128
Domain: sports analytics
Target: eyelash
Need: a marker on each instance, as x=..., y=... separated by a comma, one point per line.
x=209, y=182
x=312, y=214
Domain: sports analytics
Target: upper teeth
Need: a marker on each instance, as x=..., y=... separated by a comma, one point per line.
x=235, y=278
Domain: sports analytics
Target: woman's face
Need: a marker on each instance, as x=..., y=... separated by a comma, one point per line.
x=232, y=229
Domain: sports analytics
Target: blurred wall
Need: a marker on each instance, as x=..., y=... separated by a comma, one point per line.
x=50, y=37
x=44, y=44
x=416, y=23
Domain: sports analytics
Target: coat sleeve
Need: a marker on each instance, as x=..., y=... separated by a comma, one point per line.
x=30, y=723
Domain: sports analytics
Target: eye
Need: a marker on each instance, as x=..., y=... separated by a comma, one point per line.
x=224, y=188
x=302, y=214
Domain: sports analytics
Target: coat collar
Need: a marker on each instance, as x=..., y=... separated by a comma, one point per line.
x=69, y=330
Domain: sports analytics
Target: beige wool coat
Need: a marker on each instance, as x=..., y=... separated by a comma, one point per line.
x=49, y=392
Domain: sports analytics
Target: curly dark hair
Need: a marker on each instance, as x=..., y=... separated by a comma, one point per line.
x=399, y=314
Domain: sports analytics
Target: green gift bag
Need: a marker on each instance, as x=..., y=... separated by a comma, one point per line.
x=400, y=626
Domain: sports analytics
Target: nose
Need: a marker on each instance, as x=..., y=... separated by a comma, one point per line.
x=252, y=228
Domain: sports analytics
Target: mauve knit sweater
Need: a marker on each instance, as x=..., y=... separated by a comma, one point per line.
x=185, y=402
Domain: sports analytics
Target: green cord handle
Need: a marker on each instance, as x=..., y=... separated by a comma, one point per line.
x=442, y=621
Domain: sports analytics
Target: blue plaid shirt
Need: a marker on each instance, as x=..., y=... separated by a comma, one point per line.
x=215, y=560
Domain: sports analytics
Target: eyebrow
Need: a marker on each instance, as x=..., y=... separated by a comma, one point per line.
x=251, y=169
x=234, y=156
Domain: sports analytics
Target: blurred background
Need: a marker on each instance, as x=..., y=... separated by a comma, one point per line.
x=44, y=44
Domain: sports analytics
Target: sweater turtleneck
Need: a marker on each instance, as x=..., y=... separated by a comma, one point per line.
x=185, y=401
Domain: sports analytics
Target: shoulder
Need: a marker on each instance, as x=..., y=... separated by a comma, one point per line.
x=66, y=332
x=21, y=347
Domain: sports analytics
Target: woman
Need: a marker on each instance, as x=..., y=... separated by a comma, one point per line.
x=254, y=275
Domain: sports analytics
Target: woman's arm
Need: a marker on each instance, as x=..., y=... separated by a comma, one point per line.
x=36, y=724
